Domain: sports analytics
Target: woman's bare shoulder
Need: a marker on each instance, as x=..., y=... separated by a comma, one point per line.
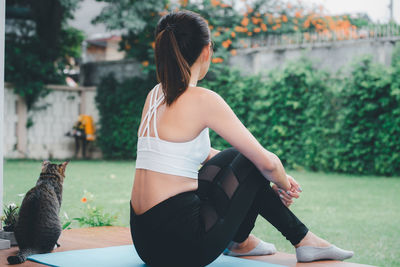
x=203, y=95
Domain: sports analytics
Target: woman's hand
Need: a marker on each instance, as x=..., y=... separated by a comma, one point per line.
x=295, y=188
x=293, y=192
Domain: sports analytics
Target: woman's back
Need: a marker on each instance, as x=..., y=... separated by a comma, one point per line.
x=176, y=125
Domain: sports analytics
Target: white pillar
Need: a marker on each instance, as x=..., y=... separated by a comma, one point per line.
x=2, y=26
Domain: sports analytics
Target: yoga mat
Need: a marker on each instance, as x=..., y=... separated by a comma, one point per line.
x=124, y=256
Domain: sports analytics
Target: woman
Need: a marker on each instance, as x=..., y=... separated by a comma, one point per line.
x=182, y=216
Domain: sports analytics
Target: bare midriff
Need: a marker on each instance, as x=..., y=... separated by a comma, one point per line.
x=151, y=187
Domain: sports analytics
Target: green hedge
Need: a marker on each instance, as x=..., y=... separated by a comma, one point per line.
x=291, y=112
x=120, y=105
x=308, y=117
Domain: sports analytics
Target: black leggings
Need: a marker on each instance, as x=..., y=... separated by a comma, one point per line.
x=193, y=228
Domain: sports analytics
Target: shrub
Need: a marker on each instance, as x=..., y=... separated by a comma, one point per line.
x=292, y=114
x=120, y=106
x=306, y=116
x=366, y=106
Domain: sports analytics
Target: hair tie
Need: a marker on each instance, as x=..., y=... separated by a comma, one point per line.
x=170, y=27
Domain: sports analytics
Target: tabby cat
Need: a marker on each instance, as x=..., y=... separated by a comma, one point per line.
x=38, y=227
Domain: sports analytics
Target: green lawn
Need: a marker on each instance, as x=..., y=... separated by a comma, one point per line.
x=358, y=213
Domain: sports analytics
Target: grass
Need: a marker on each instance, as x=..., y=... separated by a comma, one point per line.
x=357, y=213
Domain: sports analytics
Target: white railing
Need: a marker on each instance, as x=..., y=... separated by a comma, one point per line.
x=372, y=32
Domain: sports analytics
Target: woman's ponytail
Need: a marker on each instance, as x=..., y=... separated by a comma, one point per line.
x=180, y=38
x=173, y=71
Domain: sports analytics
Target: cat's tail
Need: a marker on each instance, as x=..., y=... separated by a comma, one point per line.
x=21, y=256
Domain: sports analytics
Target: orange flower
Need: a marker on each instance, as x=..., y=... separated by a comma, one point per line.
x=254, y=20
x=215, y=2
x=245, y=21
x=162, y=13
x=240, y=29
x=184, y=2
x=249, y=33
x=84, y=200
x=217, y=34
x=257, y=29
x=233, y=34
x=153, y=44
x=127, y=46
x=298, y=14
x=226, y=44
x=284, y=18
x=263, y=27
x=217, y=60
x=233, y=52
x=211, y=27
x=145, y=63
x=223, y=5
x=289, y=6
x=295, y=28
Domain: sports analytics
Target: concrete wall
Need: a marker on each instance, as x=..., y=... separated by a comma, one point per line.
x=51, y=118
x=92, y=72
x=331, y=56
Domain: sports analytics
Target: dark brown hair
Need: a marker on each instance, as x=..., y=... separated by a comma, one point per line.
x=180, y=38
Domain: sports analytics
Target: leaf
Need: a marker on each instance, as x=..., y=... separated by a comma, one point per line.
x=65, y=225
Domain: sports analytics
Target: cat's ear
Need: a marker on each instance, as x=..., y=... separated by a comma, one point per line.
x=45, y=163
x=64, y=164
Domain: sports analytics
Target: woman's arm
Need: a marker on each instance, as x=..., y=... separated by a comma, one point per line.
x=217, y=115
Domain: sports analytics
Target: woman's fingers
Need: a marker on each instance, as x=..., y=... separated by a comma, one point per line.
x=294, y=194
x=294, y=184
x=287, y=203
x=284, y=195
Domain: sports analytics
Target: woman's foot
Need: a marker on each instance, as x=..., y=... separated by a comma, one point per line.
x=312, y=240
x=312, y=248
x=252, y=246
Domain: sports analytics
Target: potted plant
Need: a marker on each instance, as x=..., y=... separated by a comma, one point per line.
x=9, y=220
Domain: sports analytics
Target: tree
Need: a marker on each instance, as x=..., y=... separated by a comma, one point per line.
x=38, y=44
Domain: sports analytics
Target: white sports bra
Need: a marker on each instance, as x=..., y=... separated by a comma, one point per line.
x=177, y=158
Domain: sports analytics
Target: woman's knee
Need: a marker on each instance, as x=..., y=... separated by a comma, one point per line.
x=243, y=167
x=224, y=157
